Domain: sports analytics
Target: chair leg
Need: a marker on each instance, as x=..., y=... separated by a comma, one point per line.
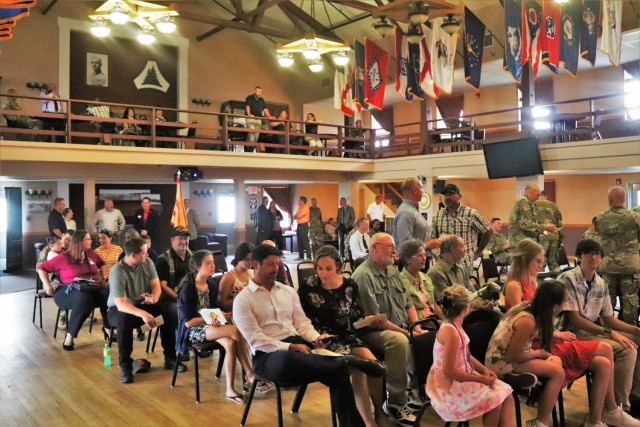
x=148, y=343
x=175, y=372
x=40, y=310
x=516, y=400
x=279, y=403
x=561, y=409
x=554, y=416
x=221, y=355
x=55, y=331
x=297, y=401
x=247, y=406
x=196, y=373
x=35, y=301
x=334, y=416
x=91, y=320
x=155, y=340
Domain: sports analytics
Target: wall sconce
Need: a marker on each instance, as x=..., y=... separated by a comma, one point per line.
x=36, y=86
x=202, y=101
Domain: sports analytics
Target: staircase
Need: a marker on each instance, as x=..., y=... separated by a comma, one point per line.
x=390, y=191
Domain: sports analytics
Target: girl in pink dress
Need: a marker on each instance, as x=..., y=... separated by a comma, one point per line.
x=460, y=387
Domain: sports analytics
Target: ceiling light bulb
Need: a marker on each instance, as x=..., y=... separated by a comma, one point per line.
x=316, y=65
x=100, y=29
x=450, y=24
x=340, y=58
x=311, y=53
x=146, y=37
x=117, y=15
x=414, y=36
x=418, y=13
x=285, y=59
x=383, y=27
x=166, y=24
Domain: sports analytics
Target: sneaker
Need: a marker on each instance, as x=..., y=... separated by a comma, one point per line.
x=521, y=381
x=400, y=414
x=535, y=423
x=170, y=364
x=62, y=320
x=414, y=403
x=140, y=335
x=619, y=418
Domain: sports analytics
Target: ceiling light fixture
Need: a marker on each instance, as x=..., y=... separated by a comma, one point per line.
x=340, y=58
x=117, y=15
x=414, y=35
x=450, y=24
x=316, y=65
x=418, y=13
x=146, y=36
x=166, y=24
x=383, y=27
x=285, y=59
x=312, y=48
x=100, y=28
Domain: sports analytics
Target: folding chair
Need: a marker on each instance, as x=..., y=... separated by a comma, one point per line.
x=490, y=270
x=37, y=300
x=305, y=270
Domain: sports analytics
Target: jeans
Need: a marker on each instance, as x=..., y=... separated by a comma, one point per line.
x=81, y=305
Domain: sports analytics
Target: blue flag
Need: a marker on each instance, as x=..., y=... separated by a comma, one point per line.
x=513, y=47
x=570, y=17
x=359, y=77
x=473, y=48
x=589, y=29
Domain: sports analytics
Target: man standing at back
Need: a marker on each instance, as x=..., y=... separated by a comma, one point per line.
x=376, y=211
x=316, y=231
x=547, y=212
x=523, y=222
x=302, y=231
x=346, y=217
x=109, y=218
x=618, y=231
x=193, y=220
x=146, y=221
x=464, y=222
x=55, y=221
x=255, y=109
x=264, y=221
x=408, y=222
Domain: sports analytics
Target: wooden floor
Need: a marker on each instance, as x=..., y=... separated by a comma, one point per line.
x=42, y=385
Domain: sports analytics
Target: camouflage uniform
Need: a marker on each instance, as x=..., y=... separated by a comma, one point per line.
x=547, y=212
x=618, y=230
x=496, y=246
x=316, y=229
x=523, y=222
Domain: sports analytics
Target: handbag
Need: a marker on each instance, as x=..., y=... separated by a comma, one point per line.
x=84, y=285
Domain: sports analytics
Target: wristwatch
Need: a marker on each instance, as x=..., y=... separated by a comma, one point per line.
x=607, y=330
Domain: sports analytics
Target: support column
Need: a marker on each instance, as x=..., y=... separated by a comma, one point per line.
x=528, y=89
x=349, y=189
x=241, y=206
x=89, y=201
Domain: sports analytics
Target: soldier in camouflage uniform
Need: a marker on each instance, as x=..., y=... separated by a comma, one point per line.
x=498, y=244
x=547, y=212
x=316, y=227
x=618, y=231
x=522, y=220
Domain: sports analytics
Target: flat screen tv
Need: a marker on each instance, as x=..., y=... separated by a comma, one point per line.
x=517, y=157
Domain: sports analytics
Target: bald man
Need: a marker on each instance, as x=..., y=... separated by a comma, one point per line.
x=523, y=222
x=618, y=231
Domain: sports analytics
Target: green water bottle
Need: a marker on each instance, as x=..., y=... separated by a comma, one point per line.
x=107, y=356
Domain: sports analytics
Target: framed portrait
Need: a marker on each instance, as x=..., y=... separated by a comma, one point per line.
x=97, y=66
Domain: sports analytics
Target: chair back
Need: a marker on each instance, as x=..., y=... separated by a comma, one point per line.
x=422, y=351
x=563, y=260
x=220, y=261
x=489, y=268
x=305, y=270
x=191, y=133
x=479, y=336
x=287, y=272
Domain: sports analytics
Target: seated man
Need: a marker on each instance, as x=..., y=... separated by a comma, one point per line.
x=447, y=271
x=281, y=337
x=360, y=241
x=331, y=229
x=134, y=291
x=18, y=121
x=382, y=291
x=499, y=244
x=588, y=313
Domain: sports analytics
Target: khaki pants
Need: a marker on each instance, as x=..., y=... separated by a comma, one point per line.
x=626, y=372
x=253, y=124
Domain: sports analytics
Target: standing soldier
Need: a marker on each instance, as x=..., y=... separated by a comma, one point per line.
x=522, y=220
x=316, y=227
x=547, y=212
x=498, y=244
x=618, y=231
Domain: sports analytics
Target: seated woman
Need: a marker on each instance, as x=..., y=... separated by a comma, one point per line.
x=312, y=141
x=236, y=278
x=108, y=252
x=576, y=356
x=351, y=144
x=129, y=128
x=79, y=261
x=417, y=283
x=330, y=301
x=197, y=292
x=67, y=214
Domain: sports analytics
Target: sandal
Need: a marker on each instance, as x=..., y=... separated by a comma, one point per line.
x=238, y=398
x=263, y=387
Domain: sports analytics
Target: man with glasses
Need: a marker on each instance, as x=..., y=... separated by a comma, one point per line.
x=382, y=291
x=589, y=314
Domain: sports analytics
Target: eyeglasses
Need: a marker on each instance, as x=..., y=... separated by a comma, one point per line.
x=539, y=261
x=592, y=254
x=88, y=238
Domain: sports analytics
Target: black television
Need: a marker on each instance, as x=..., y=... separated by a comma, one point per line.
x=513, y=158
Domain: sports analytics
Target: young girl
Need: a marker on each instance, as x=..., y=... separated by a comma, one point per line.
x=459, y=386
x=238, y=277
x=510, y=350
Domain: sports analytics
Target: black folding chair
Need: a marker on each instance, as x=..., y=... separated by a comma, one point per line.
x=305, y=270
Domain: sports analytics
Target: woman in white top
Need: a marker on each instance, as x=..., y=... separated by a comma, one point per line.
x=68, y=219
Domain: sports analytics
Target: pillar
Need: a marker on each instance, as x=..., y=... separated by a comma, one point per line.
x=241, y=209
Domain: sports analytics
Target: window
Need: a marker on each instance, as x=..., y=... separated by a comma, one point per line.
x=226, y=209
x=380, y=133
x=632, y=96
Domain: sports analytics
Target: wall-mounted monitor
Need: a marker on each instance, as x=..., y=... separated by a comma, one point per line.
x=513, y=158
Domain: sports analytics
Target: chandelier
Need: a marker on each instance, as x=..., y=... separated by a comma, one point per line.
x=312, y=48
x=417, y=13
x=148, y=16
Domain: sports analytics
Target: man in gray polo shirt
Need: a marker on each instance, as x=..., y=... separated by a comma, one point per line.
x=134, y=291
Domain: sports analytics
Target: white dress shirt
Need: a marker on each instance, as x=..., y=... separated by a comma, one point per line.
x=265, y=317
x=112, y=221
x=376, y=211
x=357, y=246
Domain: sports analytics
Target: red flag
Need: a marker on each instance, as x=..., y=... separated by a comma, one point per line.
x=531, y=14
x=179, y=215
x=550, y=34
x=376, y=61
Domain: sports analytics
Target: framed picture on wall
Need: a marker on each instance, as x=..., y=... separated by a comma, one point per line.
x=97, y=66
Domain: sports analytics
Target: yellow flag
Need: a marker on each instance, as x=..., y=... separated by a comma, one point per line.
x=179, y=215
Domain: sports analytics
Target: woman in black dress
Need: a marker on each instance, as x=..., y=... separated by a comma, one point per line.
x=331, y=302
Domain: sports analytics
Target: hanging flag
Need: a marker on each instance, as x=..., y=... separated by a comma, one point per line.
x=550, y=35
x=375, y=74
x=359, y=78
x=612, y=30
x=179, y=215
x=512, y=61
x=414, y=72
x=443, y=52
x=589, y=30
x=402, y=64
x=342, y=98
x=531, y=17
x=426, y=74
x=473, y=48
x=570, y=17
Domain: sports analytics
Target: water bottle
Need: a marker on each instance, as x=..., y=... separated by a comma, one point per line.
x=107, y=356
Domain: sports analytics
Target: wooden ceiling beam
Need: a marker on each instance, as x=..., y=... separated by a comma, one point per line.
x=262, y=8
x=294, y=20
x=214, y=20
x=309, y=20
x=255, y=21
x=354, y=4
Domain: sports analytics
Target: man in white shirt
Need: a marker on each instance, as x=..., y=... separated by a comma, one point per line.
x=49, y=104
x=109, y=218
x=376, y=211
x=281, y=337
x=360, y=241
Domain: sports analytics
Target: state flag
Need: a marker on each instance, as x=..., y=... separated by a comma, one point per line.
x=612, y=30
x=550, y=35
x=402, y=64
x=179, y=214
x=589, y=30
x=443, y=52
x=512, y=61
x=375, y=76
x=473, y=48
x=426, y=73
x=359, y=78
x=570, y=15
x=531, y=17
x=342, y=95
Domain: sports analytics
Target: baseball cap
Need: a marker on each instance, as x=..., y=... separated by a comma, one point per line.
x=180, y=232
x=450, y=188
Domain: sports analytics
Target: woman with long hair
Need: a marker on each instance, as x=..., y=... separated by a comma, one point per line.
x=79, y=261
x=238, y=277
x=510, y=349
x=197, y=292
x=330, y=301
x=108, y=252
x=311, y=127
x=527, y=259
